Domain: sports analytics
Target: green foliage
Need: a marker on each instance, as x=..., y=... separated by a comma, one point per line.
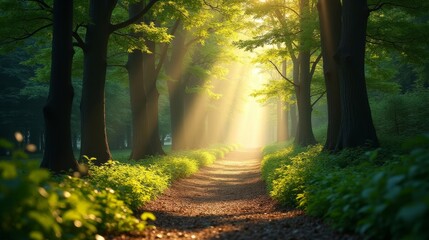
x=402, y=115
x=36, y=205
x=134, y=183
x=138, y=182
x=377, y=194
x=33, y=205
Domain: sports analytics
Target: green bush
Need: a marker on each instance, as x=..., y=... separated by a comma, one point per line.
x=138, y=182
x=135, y=184
x=36, y=205
x=377, y=194
x=33, y=205
x=399, y=115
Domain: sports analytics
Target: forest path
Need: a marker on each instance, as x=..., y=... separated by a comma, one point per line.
x=228, y=200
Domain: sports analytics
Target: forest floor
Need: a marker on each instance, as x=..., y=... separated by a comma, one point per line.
x=228, y=200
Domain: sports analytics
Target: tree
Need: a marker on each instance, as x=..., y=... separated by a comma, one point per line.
x=94, y=137
x=58, y=155
x=282, y=115
x=144, y=95
x=293, y=27
x=207, y=18
x=357, y=128
x=330, y=30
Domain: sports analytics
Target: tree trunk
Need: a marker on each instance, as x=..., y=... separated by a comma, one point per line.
x=93, y=117
x=140, y=131
x=305, y=136
x=58, y=155
x=293, y=107
x=143, y=97
x=357, y=128
x=176, y=89
x=282, y=115
x=152, y=97
x=330, y=31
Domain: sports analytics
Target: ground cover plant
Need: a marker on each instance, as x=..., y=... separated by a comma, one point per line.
x=38, y=205
x=374, y=193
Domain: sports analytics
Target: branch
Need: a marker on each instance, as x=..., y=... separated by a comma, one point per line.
x=79, y=41
x=28, y=35
x=283, y=76
x=314, y=65
x=133, y=19
x=314, y=103
x=165, y=49
x=117, y=65
x=42, y=4
x=378, y=6
x=215, y=8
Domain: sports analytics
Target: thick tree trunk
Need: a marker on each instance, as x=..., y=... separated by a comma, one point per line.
x=143, y=98
x=58, y=155
x=330, y=31
x=357, y=128
x=94, y=137
x=176, y=89
x=152, y=95
x=305, y=134
x=140, y=131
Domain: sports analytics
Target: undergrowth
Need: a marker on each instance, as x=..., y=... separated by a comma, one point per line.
x=36, y=205
x=377, y=194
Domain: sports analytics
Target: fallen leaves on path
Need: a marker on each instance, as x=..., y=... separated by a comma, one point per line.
x=228, y=200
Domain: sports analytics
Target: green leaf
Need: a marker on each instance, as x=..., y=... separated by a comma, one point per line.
x=8, y=171
x=38, y=175
x=412, y=212
x=5, y=144
x=147, y=215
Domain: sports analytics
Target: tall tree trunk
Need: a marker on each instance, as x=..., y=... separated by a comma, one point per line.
x=152, y=95
x=282, y=115
x=140, y=131
x=330, y=31
x=176, y=89
x=293, y=107
x=305, y=134
x=58, y=155
x=93, y=117
x=143, y=97
x=357, y=128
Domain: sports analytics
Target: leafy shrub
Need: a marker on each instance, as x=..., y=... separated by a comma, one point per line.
x=138, y=182
x=36, y=205
x=33, y=205
x=356, y=190
x=405, y=114
x=134, y=183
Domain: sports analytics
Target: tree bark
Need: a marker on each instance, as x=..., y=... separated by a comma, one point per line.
x=282, y=115
x=305, y=134
x=357, y=128
x=140, y=135
x=94, y=136
x=293, y=108
x=152, y=95
x=58, y=155
x=143, y=97
x=330, y=31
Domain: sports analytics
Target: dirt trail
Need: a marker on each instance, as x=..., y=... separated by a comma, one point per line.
x=228, y=200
